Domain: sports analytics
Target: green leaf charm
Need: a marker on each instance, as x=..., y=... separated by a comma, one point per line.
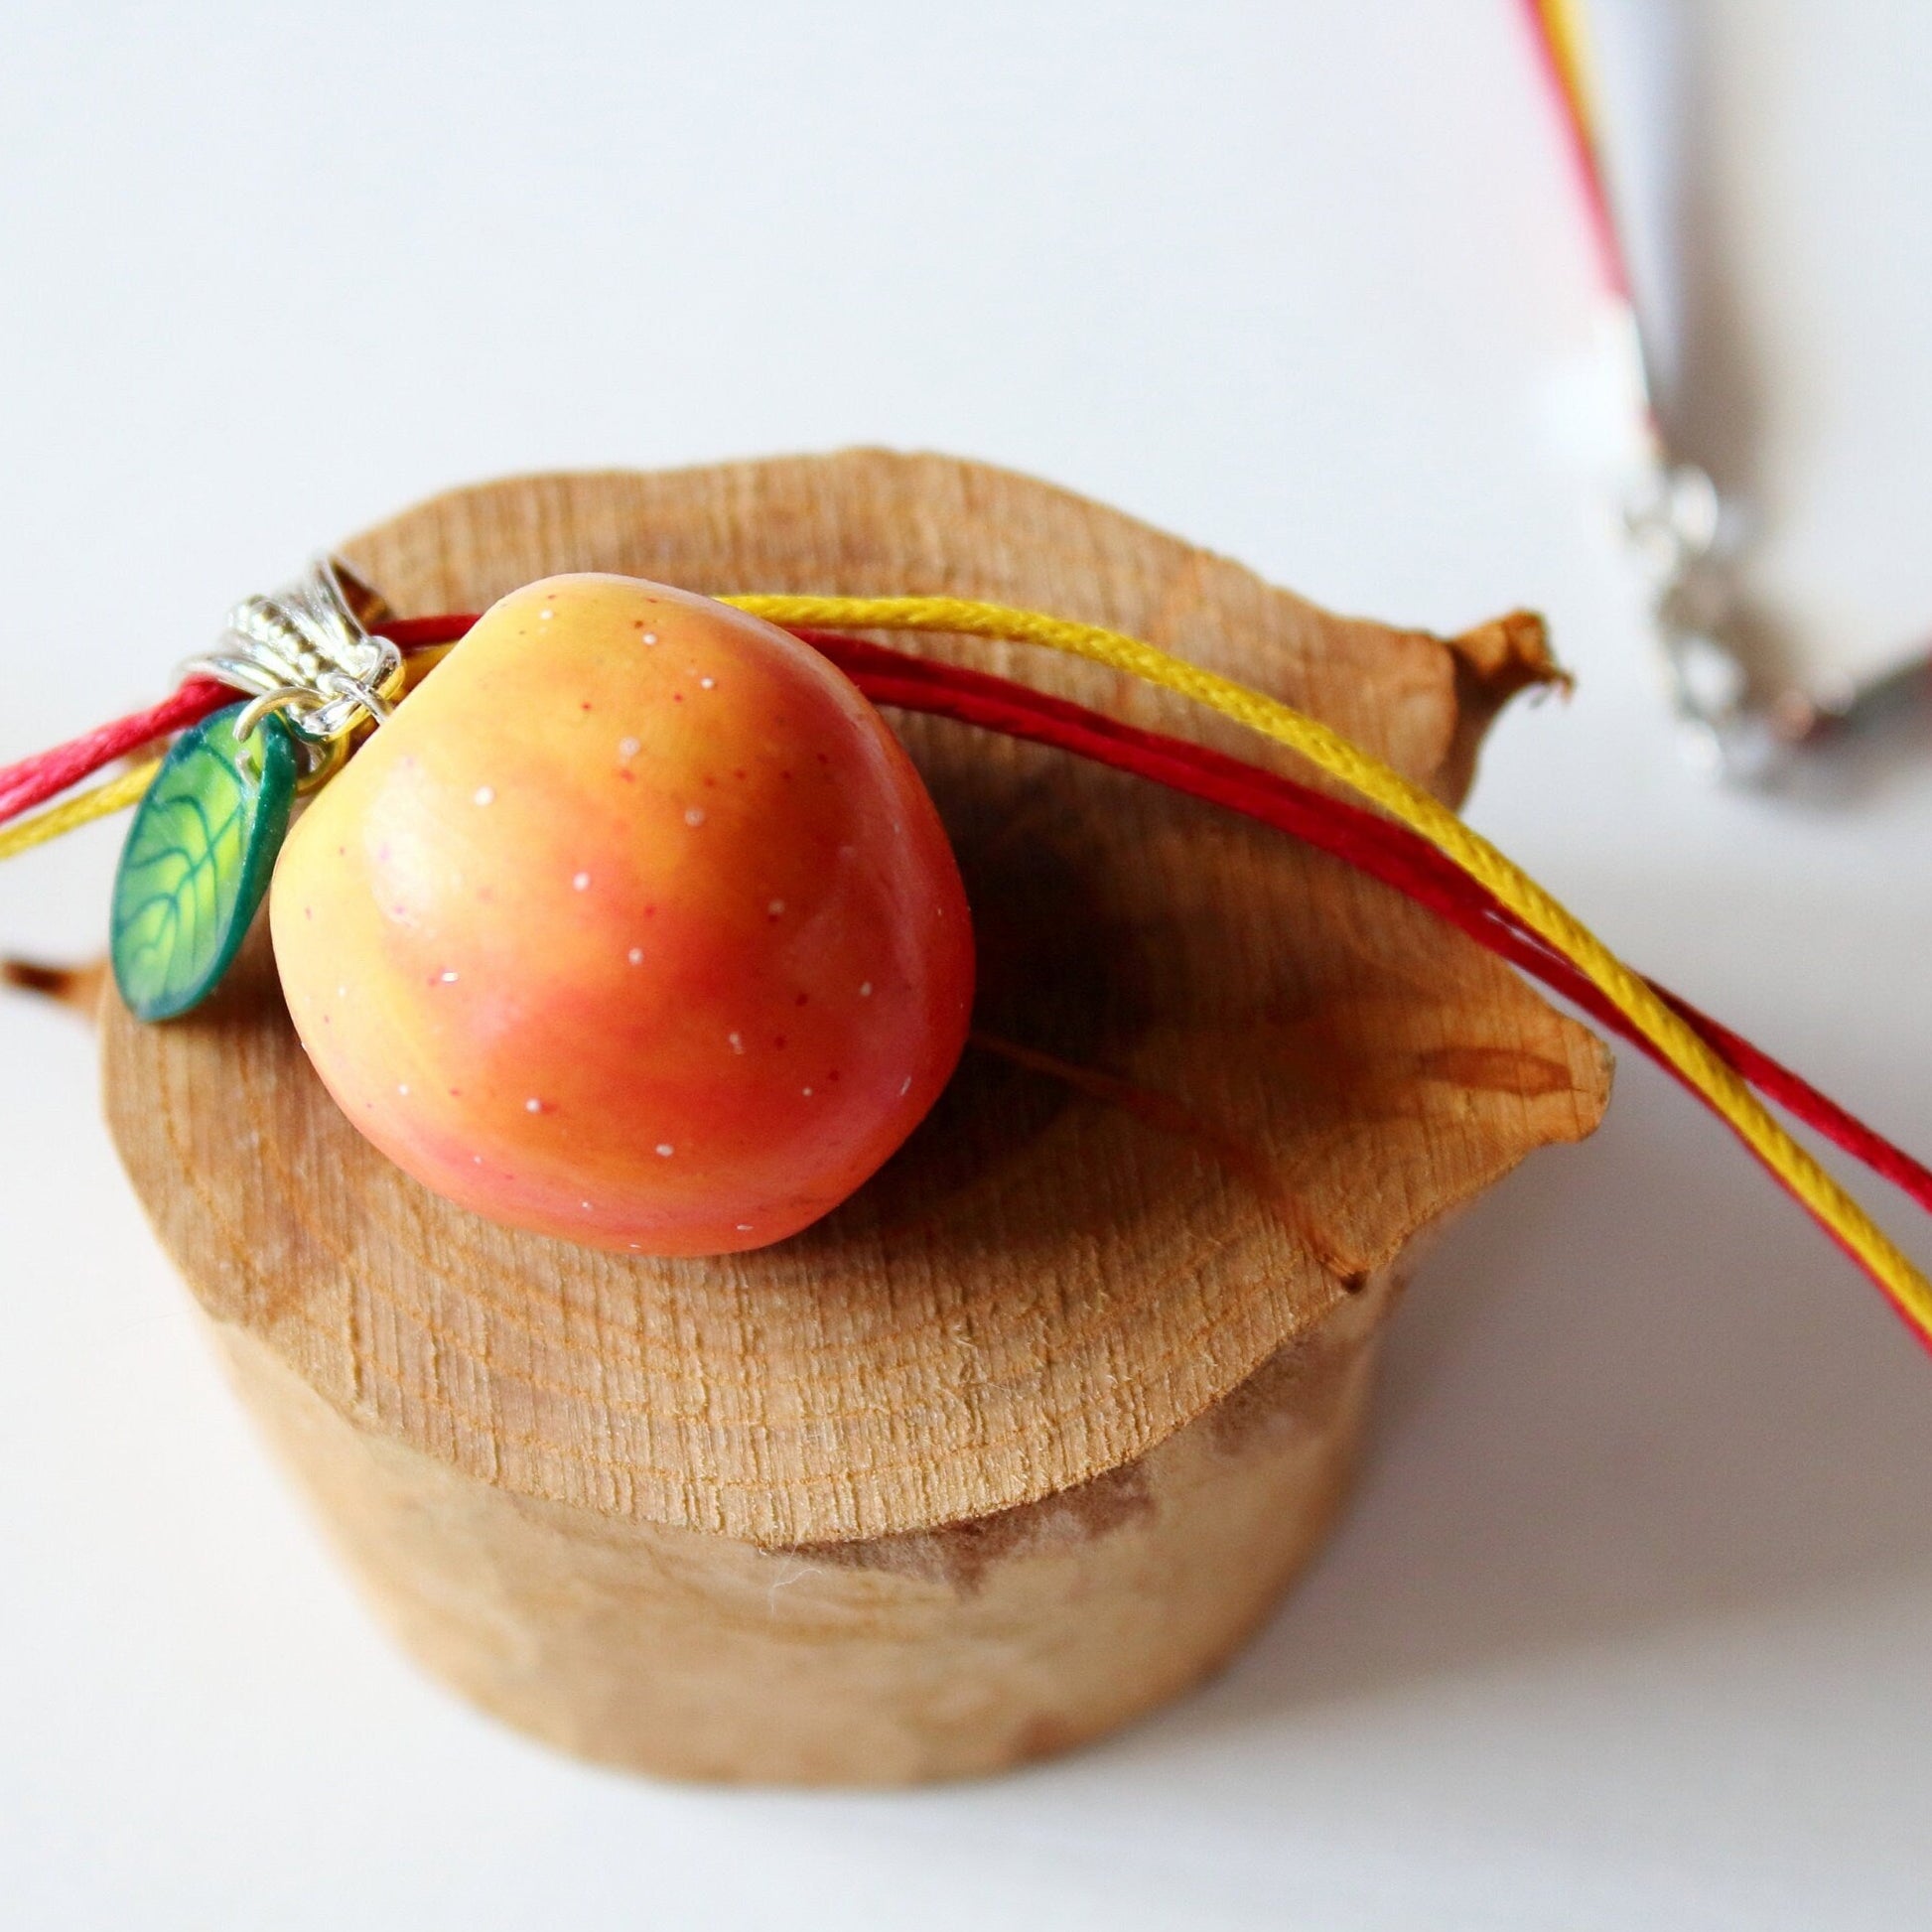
x=198, y=861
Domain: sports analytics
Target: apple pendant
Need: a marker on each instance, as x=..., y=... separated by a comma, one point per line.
x=635, y=927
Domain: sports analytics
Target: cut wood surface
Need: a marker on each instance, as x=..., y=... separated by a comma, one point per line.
x=1218, y=1081
x=890, y=1660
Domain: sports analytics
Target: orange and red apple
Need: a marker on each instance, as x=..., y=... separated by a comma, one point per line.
x=634, y=925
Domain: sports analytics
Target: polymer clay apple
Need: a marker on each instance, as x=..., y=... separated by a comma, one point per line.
x=634, y=925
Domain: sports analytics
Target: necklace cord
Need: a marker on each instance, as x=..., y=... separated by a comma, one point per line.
x=1412, y=842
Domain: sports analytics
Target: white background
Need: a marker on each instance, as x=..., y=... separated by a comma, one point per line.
x=1630, y=1623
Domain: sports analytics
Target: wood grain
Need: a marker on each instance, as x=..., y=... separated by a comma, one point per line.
x=1223, y=1081
x=939, y=1654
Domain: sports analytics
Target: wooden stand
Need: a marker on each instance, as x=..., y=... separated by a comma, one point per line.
x=1030, y=1433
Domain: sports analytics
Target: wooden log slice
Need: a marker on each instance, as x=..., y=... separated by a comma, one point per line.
x=1218, y=1085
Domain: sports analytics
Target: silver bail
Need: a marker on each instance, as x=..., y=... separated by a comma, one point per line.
x=307, y=651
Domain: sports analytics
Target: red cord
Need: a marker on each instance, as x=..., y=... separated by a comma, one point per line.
x=1422, y=874
x=1566, y=88
x=1374, y=845
x=414, y=634
x=1363, y=839
x=35, y=780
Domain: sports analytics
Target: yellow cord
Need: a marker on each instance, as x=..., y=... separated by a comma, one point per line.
x=82, y=809
x=1333, y=753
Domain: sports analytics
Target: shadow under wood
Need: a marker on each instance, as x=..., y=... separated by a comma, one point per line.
x=1634, y=1390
